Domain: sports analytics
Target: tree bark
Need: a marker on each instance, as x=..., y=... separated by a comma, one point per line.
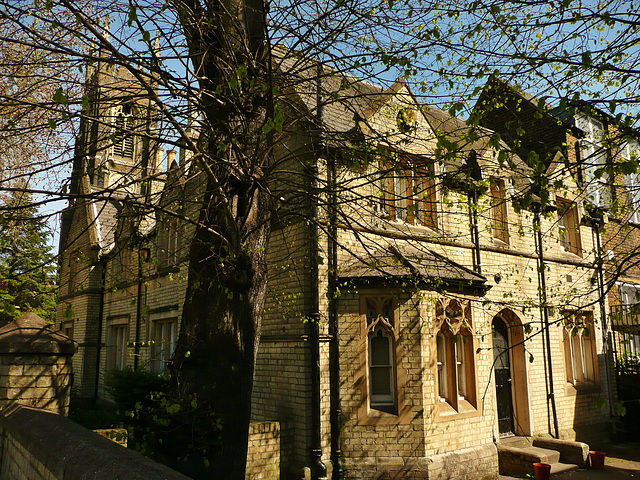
x=220, y=330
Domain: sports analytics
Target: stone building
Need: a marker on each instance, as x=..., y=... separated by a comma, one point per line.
x=434, y=308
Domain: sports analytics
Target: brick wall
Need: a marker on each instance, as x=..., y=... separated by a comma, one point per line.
x=263, y=457
x=27, y=454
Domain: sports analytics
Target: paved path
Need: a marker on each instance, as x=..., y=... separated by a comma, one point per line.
x=622, y=462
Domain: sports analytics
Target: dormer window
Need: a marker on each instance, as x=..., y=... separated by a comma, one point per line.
x=408, y=194
x=123, y=132
x=594, y=159
x=631, y=153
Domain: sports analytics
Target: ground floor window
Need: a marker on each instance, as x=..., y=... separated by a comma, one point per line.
x=455, y=356
x=117, y=340
x=164, y=336
x=579, y=349
x=381, y=361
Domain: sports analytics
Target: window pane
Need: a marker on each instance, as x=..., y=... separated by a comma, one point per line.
x=442, y=367
x=460, y=368
x=381, y=381
x=380, y=350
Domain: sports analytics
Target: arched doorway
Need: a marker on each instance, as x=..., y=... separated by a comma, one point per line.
x=502, y=374
x=510, y=373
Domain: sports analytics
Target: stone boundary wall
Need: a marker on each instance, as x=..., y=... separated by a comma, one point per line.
x=39, y=445
x=263, y=456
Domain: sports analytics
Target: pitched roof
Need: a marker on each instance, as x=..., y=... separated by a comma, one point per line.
x=423, y=267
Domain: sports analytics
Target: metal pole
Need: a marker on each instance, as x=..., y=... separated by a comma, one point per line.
x=544, y=310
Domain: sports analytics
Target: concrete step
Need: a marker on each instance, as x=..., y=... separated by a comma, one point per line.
x=518, y=460
x=557, y=468
x=515, y=441
x=543, y=454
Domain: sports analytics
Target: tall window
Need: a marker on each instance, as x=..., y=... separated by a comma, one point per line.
x=409, y=194
x=381, y=352
x=594, y=158
x=579, y=349
x=499, y=221
x=123, y=134
x=117, y=339
x=455, y=356
x=72, y=281
x=631, y=153
x=169, y=242
x=67, y=328
x=164, y=337
x=569, y=227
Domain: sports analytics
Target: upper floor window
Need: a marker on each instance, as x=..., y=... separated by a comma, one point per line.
x=594, y=159
x=455, y=356
x=169, y=242
x=499, y=220
x=579, y=349
x=569, y=227
x=631, y=153
x=123, y=131
x=408, y=194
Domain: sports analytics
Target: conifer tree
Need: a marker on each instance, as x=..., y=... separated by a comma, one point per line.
x=27, y=271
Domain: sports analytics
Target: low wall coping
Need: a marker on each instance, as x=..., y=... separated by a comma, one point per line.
x=72, y=452
x=31, y=334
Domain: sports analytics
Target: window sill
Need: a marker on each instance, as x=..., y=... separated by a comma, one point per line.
x=585, y=388
x=167, y=269
x=444, y=412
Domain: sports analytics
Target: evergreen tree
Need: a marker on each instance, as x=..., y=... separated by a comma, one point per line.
x=27, y=271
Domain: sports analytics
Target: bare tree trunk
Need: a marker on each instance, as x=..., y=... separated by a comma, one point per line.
x=220, y=330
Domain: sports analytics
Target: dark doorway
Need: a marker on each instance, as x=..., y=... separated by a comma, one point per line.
x=502, y=372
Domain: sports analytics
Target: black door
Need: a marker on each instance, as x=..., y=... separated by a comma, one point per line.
x=502, y=372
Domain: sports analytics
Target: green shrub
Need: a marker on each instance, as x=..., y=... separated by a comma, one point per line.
x=129, y=387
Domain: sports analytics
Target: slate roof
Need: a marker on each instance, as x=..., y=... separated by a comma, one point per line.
x=105, y=213
x=346, y=99
x=391, y=265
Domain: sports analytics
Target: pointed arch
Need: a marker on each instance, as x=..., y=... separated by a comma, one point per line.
x=518, y=365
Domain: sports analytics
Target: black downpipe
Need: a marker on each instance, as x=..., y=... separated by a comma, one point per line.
x=136, y=346
x=596, y=226
x=103, y=274
x=334, y=345
x=475, y=232
x=475, y=174
x=318, y=468
x=544, y=313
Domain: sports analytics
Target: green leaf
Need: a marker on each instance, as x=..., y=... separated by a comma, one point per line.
x=60, y=97
x=621, y=409
x=146, y=37
x=52, y=123
x=133, y=15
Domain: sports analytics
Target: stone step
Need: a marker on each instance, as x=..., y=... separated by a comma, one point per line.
x=544, y=454
x=517, y=461
x=557, y=468
x=515, y=441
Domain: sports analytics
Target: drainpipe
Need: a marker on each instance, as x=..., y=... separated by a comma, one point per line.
x=143, y=255
x=103, y=274
x=544, y=313
x=334, y=345
x=596, y=225
x=318, y=468
x=476, y=175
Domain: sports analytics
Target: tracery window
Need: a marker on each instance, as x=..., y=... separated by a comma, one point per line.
x=381, y=339
x=455, y=355
x=579, y=349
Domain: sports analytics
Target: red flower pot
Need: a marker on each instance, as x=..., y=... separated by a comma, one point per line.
x=597, y=459
x=542, y=470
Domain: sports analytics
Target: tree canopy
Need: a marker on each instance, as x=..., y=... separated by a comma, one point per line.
x=215, y=66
